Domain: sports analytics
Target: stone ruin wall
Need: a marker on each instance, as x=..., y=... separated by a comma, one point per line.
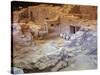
x=87, y=12
x=38, y=14
x=90, y=10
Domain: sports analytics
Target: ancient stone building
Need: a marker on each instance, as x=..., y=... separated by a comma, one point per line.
x=39, y=13
x=71, y=18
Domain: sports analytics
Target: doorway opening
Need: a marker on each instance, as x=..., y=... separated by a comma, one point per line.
x=74, y=29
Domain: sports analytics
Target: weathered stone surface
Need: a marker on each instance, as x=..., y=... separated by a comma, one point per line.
x=61, y=55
